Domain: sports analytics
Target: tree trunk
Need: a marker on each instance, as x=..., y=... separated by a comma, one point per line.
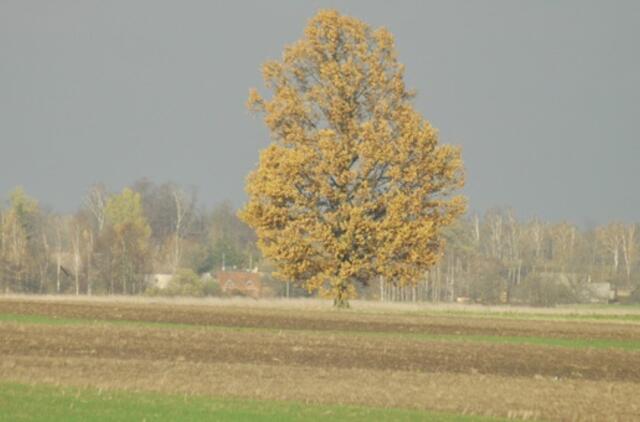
x=124, y=269
x=76, y=259
x=628, y=246
x=341, y=299
x=45, y=264
x=3, y=270
x=89, y=255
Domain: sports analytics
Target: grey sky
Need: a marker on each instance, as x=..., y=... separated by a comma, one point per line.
x=543, y=96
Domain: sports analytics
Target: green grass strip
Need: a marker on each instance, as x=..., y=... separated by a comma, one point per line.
x=587, y=317
x=632, y=318
x=577, y=343
x=51, y=320
x=20, y=402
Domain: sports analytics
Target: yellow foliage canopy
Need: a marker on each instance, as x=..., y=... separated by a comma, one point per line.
x=354, y=184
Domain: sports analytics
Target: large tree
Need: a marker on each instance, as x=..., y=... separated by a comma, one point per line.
x=355, y=184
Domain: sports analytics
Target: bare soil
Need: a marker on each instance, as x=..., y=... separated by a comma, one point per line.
x=312, y=356
x=322, y=320
x=539, y=398
x=325, y=351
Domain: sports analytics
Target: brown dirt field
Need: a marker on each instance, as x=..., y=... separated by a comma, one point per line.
x=310, y=357
x=514, y=397
x=317, y=350
x=322, y=320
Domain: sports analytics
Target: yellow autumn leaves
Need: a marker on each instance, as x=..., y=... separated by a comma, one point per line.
x=354, y=184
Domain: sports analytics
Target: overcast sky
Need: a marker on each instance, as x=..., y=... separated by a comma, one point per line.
x=543, y=96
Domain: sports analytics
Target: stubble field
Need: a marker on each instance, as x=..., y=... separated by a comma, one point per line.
x=238, y=360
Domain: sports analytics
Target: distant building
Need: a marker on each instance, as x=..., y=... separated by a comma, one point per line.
x=242, y=283
x=160, y=281
x=584, y=289
x=597, y=292
x=622, y=294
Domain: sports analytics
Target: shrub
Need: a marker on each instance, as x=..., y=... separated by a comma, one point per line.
x=634, y=298
x=536, y=290
x=211, y=287
x=488, y=289
x=490, y=286
x=186, y=283
x=153, y=291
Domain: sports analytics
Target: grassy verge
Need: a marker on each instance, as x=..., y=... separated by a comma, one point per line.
x=576, y=343
x=21, y=402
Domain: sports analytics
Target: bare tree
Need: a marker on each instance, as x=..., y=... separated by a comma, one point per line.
x=59, y=246
x=610, y=238
x=514, y=243
x=628, y=243
x=45, y=260
x=89, y=240
x=536, y=234
x=494, y=222
x=564, y=241
x=183, y=207
x=95, y=202
x=3, y=251
x=74, y=228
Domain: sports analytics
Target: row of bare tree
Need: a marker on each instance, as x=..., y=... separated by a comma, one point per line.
x=488, y=258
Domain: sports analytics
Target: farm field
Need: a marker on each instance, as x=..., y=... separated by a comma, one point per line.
x=246, y=360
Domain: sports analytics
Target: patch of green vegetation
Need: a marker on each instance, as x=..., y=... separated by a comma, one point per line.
x=527, y=316
x=587, y=317
x=587, y=312
x=574, y=343
x=52, y=320
x=20, y=402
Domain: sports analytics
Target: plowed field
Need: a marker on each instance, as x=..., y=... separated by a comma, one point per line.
x=432, y=362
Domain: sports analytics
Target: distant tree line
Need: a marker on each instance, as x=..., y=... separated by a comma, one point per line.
x=115, y=240
x=498, y=258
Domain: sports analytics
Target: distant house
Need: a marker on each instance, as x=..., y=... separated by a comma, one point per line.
x=585, y=290
x=242, y=283
x=622, y=294
x=160, y=281
x=597, y=292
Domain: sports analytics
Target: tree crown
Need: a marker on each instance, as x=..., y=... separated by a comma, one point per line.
x=354, y=184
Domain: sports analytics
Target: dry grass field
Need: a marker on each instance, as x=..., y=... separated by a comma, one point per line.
x=420, y=362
